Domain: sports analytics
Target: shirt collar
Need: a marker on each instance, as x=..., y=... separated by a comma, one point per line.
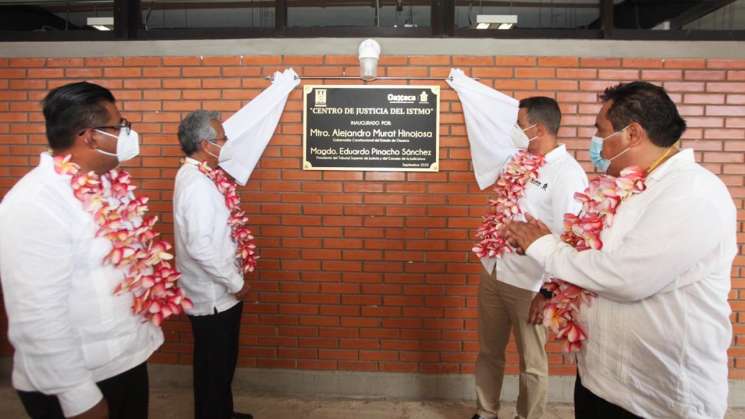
x=46, y=160
x=684, y=156
x=556, y=153
x=189, y=160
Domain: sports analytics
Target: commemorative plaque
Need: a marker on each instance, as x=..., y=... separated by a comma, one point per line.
x=371, y=128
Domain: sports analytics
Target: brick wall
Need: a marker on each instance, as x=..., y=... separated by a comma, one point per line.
x=367, y=271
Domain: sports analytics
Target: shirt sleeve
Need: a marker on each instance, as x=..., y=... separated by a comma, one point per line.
x=37, y=270
x=673, y=235
x=199, y=209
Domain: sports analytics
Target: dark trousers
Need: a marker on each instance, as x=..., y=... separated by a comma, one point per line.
x=215, y=357
x=589, y=406
x=126, y=395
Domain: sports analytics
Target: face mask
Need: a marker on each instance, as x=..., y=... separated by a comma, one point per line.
x=519, y=139
x=218, y=154
x=596, y=149
x=127, y=144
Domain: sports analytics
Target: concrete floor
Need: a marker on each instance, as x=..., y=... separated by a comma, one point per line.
x=177, y=404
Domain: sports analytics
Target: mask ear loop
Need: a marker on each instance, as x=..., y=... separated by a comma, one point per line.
x=529, y=139
x=210, y=142
x=104, y=152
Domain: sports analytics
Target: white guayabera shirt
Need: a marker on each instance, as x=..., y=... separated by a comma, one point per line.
x=67, y=327
x=548, y=198
x=205, y=252
x=659, y=329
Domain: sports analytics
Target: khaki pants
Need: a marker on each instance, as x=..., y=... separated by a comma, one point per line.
x=502, y=308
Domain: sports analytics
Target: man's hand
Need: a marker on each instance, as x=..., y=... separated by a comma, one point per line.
x=524, y=234
x=243, y=291
x=99, y=411
x=535, y=315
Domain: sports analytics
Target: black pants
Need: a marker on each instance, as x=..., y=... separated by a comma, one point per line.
x=589, y=406
x=215, y=357
x=126, y=395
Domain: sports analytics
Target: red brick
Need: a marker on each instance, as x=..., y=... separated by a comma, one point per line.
x=83, y=73
x=642, y=62
x=200, y=71
x=600, y=62
x=557, y=85
x=472, y=60
x=661, y=74
x=685, y=63
x=558, y=61
x=39, y=73
x=725, y=63
x=618, y=74
x=65, y=62
x=492, y=72
x=122, y=72
x=728, y=87
x=535, y=73
x=704, y=75
x=26, y=62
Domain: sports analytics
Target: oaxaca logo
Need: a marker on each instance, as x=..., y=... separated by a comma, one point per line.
x=423, y=98
x=393, y=98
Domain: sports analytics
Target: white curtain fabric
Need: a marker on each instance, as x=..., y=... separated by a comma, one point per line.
x=490, y=116
x=250, y=129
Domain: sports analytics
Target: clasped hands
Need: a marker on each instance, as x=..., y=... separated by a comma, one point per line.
x=521, y=235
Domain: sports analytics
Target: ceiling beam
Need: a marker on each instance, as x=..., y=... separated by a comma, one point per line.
x=697, y=12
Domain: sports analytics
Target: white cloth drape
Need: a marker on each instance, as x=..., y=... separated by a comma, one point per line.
x=490, y=116
x=250, y=129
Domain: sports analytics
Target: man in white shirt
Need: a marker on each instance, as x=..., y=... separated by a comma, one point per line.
x=658, y=329
x=206, y=257
x=510, y=283
x=79, y=350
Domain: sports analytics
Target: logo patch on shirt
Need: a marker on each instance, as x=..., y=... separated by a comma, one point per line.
x=540, y=185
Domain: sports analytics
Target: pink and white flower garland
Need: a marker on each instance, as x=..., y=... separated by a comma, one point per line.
x=509, y=188
x=120, y=218
x=238, y=220
x=600, y=202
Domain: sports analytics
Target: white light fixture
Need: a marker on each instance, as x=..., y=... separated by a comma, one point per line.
x=101, y=23
x=502, y=22
x=369, y=53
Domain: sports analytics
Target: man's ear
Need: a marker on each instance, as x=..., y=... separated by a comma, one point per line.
x=203, y=144
x=540, y=130
x=636, y=133
x=86, y=138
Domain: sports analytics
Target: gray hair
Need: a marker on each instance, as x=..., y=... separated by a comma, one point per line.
x=196, y=128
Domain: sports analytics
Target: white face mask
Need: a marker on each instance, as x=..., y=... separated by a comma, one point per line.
x=127, y=144
x=519, y=138
x=218, y=154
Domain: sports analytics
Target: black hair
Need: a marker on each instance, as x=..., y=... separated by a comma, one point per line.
x=71, y=108
x=649, y=106
x=543, y=110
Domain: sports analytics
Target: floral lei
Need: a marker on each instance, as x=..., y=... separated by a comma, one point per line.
x=509, y=188
x=238, y=220
x=600, y=202
x=120, y=218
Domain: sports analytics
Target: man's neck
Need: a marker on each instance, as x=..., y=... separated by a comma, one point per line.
x=200, y=157
x=658, y=157
x=546, y=147
x=83, y=163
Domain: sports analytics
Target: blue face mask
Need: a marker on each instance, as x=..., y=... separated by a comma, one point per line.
x=596, y=149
